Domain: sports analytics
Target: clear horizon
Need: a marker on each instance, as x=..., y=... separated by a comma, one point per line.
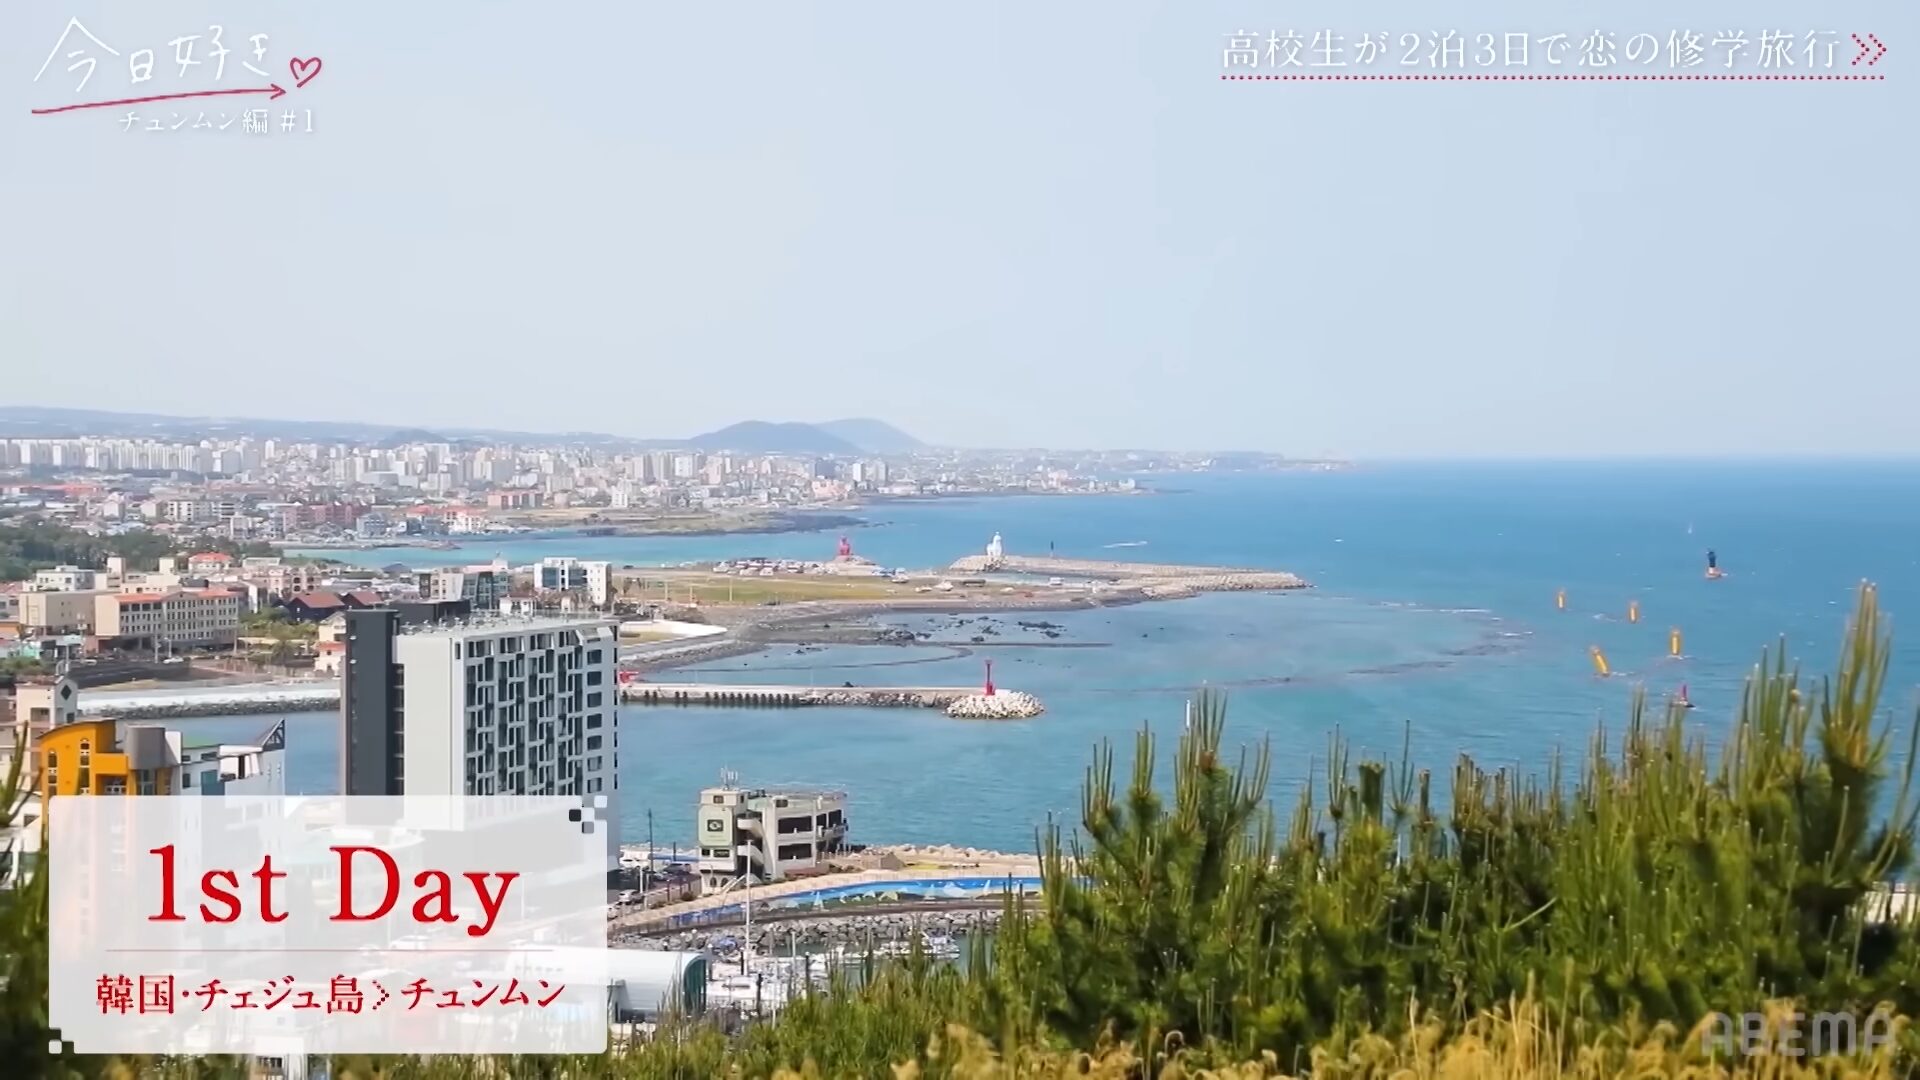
x=1758, y=457
x=1009, y=227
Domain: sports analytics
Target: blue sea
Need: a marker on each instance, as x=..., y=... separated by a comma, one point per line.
x=1433, y=621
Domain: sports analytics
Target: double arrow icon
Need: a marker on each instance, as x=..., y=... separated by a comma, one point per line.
x=1878, y=50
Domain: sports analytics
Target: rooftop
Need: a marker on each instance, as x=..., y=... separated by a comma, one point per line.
x=481, y=625
x=784, y=791
x=147, y=598
x=318, y=599
x=230, y=748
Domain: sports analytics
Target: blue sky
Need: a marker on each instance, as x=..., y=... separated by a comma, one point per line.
x=994, y=224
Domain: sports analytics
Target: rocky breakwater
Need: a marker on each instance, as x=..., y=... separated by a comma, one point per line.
x=181, y=703
x=851, y=931
x=184, y=710
x=1151, y=579
x=999, y=705
x=1239, y=581
x=901, y=699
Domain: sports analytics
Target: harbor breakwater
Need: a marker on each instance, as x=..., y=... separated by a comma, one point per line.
x=965, y=702
x=947, y=698
x=1156, y=580
x=999, y=705
x=212, y=701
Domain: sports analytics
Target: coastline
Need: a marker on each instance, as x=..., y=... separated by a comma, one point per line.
x=796, y=522
x=758, y=629
x=745, y=629
x=804, y=522
x=998, y=493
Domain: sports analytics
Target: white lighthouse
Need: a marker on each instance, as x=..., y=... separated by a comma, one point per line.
x=995, y=550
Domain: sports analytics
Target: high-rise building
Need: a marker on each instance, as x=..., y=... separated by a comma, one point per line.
x=483, y=706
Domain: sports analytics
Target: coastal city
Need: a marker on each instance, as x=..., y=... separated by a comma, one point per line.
x=414, y=488
x=154, y=582
x=625, y=541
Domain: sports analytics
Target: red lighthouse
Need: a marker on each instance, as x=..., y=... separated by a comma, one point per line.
x=989, y=690
x=846, y=548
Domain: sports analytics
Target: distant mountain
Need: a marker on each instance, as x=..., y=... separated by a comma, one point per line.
x=849, y=438
x=409, y=435
x=873, y=436
x=762, y=437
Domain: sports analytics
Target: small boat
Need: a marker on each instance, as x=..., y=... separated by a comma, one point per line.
x=1713, y=566
x=931, y=946
x=1681, y=700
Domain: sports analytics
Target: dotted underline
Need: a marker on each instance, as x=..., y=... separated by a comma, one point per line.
x=1553, y=78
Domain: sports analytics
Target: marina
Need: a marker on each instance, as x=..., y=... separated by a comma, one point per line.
x=750, y=975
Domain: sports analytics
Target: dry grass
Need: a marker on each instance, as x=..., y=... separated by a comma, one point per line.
x=720, y=589
x=1518, y=1043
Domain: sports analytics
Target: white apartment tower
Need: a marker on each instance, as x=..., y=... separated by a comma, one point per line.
x=483, y=706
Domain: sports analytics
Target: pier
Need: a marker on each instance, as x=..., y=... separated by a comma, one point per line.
x=775, y=696
x=181, y=702
x=1155, y=579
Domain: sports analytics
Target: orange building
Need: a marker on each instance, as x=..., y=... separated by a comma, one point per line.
x=87, y=757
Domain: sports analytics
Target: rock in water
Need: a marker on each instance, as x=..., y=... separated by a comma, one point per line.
x=1004, y=705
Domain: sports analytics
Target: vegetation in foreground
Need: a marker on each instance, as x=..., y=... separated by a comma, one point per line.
x=1576, y=924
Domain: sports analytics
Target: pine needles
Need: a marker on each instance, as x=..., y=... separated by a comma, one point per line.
x=1570, y=924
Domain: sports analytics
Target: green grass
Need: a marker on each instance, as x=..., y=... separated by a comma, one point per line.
x=718, y=589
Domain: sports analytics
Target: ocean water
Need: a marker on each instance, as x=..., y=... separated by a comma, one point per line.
x=1432, y=622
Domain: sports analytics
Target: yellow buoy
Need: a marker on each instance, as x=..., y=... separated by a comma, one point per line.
x=1673, y=642
x=1600, y=663
x=1560, y=600
x=1633, y=611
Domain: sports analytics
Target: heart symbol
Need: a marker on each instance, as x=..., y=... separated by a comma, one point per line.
x=303, y=70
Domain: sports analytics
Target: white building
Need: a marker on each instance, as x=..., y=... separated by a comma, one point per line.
x=485, y=706
x=215, y=768
x=562, y=574
x=768, y=834
x=482, y=586
x=65, y=579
